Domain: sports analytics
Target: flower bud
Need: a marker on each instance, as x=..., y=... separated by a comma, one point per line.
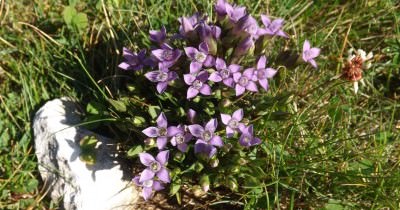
x=149, y=142
x=227, y=147
x=214, y=162
x=138, y=121
x=243, y=161
x=232, y=184
x=179, y=157
x=225, y=103
x=205, y=182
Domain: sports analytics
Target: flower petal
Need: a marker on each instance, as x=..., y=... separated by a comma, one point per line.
x=229, y=82
x=124, y=66
x=162, y=157
x=152, y=75
x=146, y=159
x=196, y=130
x=161, y=87
x=161, y=142
x=151, y=132
x=210, y=61
x=255, y=141
x=252, y=86
x=147, y=174
x=229, y=132
x=234, y=68
x=163, y=175
x=162, y=120
x=217, y=141
x=202, y=76
x=270, y=72
x=236, y=76
x=248, y=73
x=191, y=52
x=182, y=147
x=306, y=45
x=173, y=130
x=205, y=90
x=189, y=78
x=314, y=52
x=195, y=67
x=220, y=64
x=265, y=20
x=157, y=186
x=225, y=118
x=238, y=114
x=211, y=125
x=313, y=63
x=215, y=77
x=239, y=90
x=191, y=92
x=262, y=62
x=147, y=193
x=158, y=53
x=203, y=47
x=263, y=83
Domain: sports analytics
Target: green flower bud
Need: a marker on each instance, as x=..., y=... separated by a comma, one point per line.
x=179, y=157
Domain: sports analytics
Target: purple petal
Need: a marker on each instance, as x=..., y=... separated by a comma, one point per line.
x=162, y=157
x=313, y=63
x=236, y=76
x=265, y=20
x=151, y=132
x=163, y=175
x=196, y=130
x=220, y=64
x=202, y=76
x=238, y=114
x=191, y=52
x=162, y=142
x=203, y=47
x=161, y=86
x=191, y=93
x=263, y=83
x=229, y=132
x=172, y=75
x=173, y=130
x=215, y=77
x=146, y=159
x=248, y=73
x=124, y=66
x=210, y=61
x=282, y=34
x=157, y=186
x=162, y=120
x=205, y=90
x=229, y=82
x=262, y=62
x=136, y=181
x=195, y=67
x=234, y=68
x=255, y=141
x=225, y=118
x=239, y=90
x=211, y=125
x=186, y=25
x=189, y=78
x=182, y=147
x=147, y=174
x=306, y=45
x=152, y=76
x=270, y=72
x=158, y=54
x=191, y=115
x=147, y=193
x=252, y=86
x=313, y=52
x=217, y=141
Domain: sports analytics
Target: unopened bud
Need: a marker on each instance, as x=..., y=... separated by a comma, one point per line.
x=149, y=142
x=205, y=183
x=214, y=162
x=138, y=121
x=179, y=157
x=232, y=184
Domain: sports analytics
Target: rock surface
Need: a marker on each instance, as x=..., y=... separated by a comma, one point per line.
x=100, y=186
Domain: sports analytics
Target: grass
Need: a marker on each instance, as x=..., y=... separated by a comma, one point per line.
x=336, y=150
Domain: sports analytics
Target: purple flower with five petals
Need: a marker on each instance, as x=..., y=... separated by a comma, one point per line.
x=261, y=74
x=158, y=36
x=207, y=139
x=180, y=138
x=134, y=61
x=155, y=166
x=224, y=73
x=198, y=84
x=234, y=12
x=162, y=132
x=247, y=139
x=199, y=57
x=244, y=81
x=148, y=186
x=162, y=76
x=188, y=24
x=167, y=55
x=310, y=53
x=272, y=28
x=233, y=122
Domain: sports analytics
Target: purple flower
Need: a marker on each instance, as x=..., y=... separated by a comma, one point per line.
x=234, y=12
x=233, y=122
x=181, y=138
x=310, y=53
x=158, y=36
x=244, y=46
x=244, y=81
x=188, y=24
x=191, y=114
x=167, y=55
x=162, y=132
x=148, y=187
x=261, y=73
x=247, y=139
x=199, y=57
x=220, y=8
x=134, y=61
x=155, y=166
x=247, y=25
x=197, y=84
x=209, y=35
x=224, y=73
x=207, y=139
x=272, y=28
x=162, y=76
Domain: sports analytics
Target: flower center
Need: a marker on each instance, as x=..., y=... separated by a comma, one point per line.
x=261, y=74
x=246, y=139
x=168, y=55
x=148, y=183
x=155, y=166
x=233, y=123
x=274, y=28
x=162, y=131
x=243, y=81
x=252, y=29
x=162, y=76
x=200, y=57
x=197, y=84
x=225, y=73
x=307, y=54
x=179, y=139
x=207, y=135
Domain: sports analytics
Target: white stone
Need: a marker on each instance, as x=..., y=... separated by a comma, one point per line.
x=70, y=180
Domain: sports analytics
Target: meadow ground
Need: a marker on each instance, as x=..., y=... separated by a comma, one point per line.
x=339, y=151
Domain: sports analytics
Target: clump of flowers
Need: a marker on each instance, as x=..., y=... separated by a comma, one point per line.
x=201, y=74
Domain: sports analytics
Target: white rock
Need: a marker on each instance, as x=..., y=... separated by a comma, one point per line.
x=97, y=187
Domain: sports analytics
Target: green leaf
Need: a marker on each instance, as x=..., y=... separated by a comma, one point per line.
x=72, y=3
x=118, y=105
x=88, y=142
x=80, y=21
x=134, y=151
x=95, y=108
x=174, y=188
x=153, y=111
x=68, y=13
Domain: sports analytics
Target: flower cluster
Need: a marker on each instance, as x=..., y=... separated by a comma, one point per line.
x=206, y=57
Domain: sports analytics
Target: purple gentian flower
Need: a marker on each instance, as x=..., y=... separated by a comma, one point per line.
x=197, y=84
x=224, y=73
x=310, y=53
x=272, y=28
x=181, y=138
x=244, y=46
x=220, y=8
x=247, y=25
x=234, y=12
x=162, y=132
x=233, y=122
x=247, y=139
x=155, y=166
x=134, y=61
x=167, y=55
x=188, y=24
x=261, y=73
x=209, y=35
x=207, y=139
x=162, y=76
x=158, y=36
x=244, y=81
x=148, y=187
x=199, y=57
